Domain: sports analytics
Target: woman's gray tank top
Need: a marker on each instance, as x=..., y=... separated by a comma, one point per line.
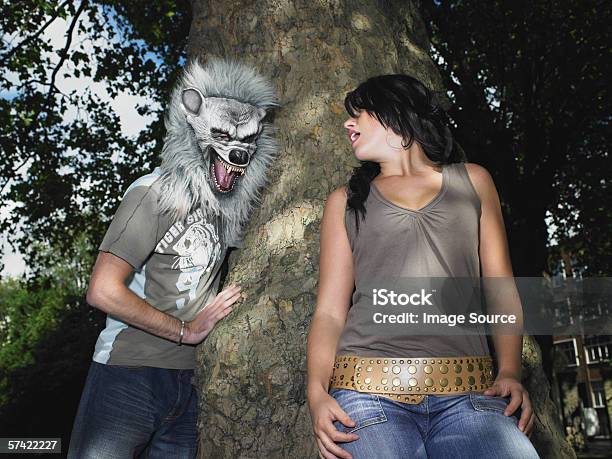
x=439, y=240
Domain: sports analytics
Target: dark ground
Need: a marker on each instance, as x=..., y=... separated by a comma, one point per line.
x=597, y=449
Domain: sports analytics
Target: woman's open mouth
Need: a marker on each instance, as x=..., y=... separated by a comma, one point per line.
x=353, y=136
x=224, y=174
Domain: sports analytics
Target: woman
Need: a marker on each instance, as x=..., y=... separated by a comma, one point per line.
x=410, y=210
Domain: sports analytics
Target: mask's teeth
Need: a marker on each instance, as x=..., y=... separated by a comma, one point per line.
x=231, y=168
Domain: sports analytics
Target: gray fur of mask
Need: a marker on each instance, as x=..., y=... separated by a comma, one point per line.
x=221, y=96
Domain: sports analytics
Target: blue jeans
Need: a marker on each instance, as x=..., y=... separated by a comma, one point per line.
x=441, y=426
x=128, y=412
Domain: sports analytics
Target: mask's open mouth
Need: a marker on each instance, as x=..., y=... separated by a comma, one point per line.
x=224, y=174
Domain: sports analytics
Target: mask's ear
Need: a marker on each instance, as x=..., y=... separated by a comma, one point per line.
x=261, y=113
x=192, y=100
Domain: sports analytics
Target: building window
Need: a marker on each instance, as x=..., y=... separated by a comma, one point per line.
x=599, y=396
x=597, y=348
x=568, y=349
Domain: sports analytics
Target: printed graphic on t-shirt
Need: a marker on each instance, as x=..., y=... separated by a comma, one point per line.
x=197, y=247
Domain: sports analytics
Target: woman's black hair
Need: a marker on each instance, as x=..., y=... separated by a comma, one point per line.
x=404, y=104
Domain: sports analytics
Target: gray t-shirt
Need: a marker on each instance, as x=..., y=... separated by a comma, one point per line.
x=439, y=240
x=176, y=270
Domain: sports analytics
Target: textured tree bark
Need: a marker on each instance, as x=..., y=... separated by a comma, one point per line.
x=548, y=435
x=251, y=369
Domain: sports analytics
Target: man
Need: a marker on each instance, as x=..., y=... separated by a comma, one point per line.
x=158, y=269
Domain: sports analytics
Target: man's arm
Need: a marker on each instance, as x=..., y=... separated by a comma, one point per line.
x=107, y=291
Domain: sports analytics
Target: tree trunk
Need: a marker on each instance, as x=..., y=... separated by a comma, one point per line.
x=252, y=368
x=548, y=435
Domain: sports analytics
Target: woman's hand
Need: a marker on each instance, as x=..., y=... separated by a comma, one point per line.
x=199, y=328
x=324, y=410
x=504, y=386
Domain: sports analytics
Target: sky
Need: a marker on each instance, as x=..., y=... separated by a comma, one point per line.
x=124, y=105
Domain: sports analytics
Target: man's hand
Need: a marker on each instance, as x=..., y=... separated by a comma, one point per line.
x=504, y=386
x=199, y=328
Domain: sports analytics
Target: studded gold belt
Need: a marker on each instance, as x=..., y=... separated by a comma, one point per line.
x=408, y=380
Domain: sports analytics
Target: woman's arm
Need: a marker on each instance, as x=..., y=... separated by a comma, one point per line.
x=502, y=293
x=336, y=283
x=495, y=262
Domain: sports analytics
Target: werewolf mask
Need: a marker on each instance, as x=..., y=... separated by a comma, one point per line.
x=227, y=130
x=218, y=149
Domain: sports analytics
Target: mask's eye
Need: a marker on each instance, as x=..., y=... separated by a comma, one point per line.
x=218, y=134
x=250, y=139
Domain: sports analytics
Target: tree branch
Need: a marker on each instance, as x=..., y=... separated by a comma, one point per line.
x=13, y=172
x=7, y=57
x=64, y=52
